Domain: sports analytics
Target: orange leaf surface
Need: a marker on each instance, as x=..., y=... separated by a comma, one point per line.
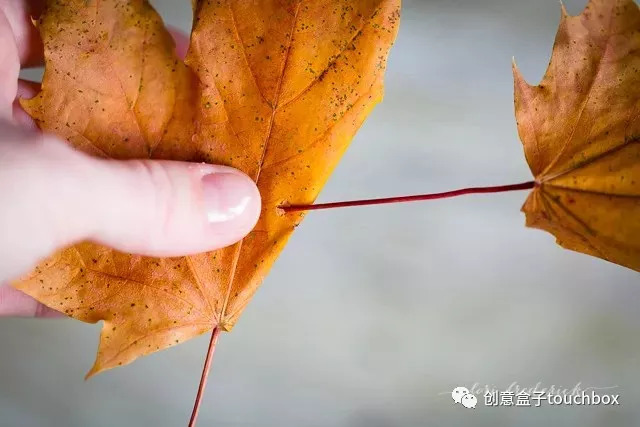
x=581, y=134
x=274, y=88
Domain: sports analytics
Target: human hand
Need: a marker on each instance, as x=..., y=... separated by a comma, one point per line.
x=52, y=196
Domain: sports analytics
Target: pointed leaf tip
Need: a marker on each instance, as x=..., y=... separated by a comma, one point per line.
x=563, y=11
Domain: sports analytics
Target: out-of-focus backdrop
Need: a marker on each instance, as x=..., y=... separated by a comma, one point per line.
x=371, y=316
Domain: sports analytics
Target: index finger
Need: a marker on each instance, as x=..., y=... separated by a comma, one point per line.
x=19, y=14
x=14, y=303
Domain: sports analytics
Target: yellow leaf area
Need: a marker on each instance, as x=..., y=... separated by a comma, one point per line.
x=580, y=128
x=276, y=88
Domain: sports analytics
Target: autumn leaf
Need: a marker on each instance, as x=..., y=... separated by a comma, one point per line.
x=580, y=128
x=274, y=88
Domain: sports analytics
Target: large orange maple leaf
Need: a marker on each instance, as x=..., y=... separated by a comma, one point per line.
x=274, y=88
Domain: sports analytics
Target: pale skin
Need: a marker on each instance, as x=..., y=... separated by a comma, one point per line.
x=52, y=196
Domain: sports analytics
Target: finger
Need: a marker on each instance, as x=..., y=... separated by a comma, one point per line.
x=26, y=90
x=9, y=67
x=19, y=14
x=15, y=303
x=165, y=208
x=53, y=196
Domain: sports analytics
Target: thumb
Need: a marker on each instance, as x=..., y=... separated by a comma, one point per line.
x=53, y=196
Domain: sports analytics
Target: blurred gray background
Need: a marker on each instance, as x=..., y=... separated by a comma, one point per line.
x=372, y=315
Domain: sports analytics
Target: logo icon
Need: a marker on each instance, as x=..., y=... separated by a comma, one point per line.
x=469, y=401
x=463, y=396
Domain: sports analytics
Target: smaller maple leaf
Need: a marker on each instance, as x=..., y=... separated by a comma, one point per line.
x=580, y=128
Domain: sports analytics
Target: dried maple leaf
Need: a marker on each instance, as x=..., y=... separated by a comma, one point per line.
x=581, y=134
x=274, y=88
